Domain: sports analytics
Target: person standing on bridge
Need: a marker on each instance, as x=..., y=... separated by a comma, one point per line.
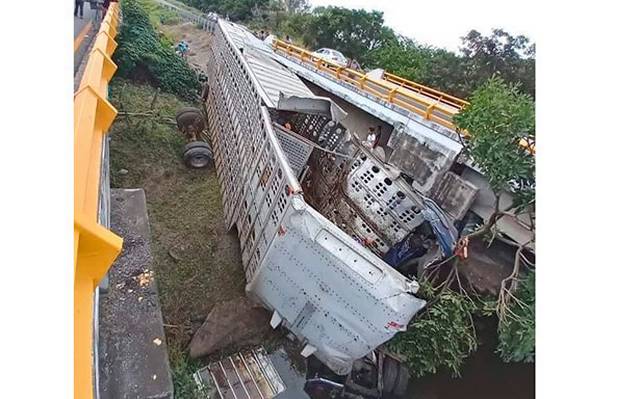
x=78, y=11
x=105, y=6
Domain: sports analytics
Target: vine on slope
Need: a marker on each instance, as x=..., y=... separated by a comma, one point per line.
x=142, y=54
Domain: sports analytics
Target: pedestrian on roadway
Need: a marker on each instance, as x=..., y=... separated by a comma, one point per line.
x=79, y=9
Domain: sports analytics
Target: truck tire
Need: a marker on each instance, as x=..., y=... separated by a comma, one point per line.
x=389, y=375
x=197, y=157
x=402, y=382
x=190, y=117
x=194, y=144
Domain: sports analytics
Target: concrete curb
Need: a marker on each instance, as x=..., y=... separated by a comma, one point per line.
x=133, y=359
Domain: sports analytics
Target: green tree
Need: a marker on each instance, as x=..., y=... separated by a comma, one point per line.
x=498, y=118
x=361, y=34
x=236, y=10
x=441, y=337
x=511, y=57
x=355, y=33
x=401, y=56
x=295, y=6
x=516, y=327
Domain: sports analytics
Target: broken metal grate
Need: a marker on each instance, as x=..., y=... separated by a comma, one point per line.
x=297, y=150
x=244, y=375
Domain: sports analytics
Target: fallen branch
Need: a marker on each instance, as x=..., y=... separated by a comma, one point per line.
x=163, y=118
x=174, y=326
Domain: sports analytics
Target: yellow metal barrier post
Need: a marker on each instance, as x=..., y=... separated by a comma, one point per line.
x=95, y=247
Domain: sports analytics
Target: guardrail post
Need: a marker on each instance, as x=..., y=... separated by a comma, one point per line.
x=427, y=114
x=362, y=80
x=391, y=94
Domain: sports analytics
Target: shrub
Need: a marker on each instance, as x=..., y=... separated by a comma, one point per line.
x=441, y=337
x=516, y=330
x=142, y=55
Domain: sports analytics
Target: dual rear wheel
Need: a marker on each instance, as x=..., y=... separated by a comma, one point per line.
x=197, y=153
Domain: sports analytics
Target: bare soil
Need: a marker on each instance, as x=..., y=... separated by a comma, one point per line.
x=199, y=42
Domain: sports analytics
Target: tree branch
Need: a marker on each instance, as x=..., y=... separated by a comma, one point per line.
x=510, y=284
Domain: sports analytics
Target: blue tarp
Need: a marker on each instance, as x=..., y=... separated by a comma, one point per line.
x=445, y=232
x=446, y=235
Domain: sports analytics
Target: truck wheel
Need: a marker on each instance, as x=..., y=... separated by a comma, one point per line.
x=402, y=382
x=190, y=117
x=197, y=157
x=389, y=375
x=194, y=144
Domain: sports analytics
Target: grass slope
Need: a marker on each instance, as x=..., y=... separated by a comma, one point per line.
x=197, y=262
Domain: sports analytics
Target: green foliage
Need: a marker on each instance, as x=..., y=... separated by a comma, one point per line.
x=516, y=330
x=143, y=55
x=501, y=54
x=159, y=15
x=353, y=32
x=296, y=6
x=498, y=117
x=182, y=370
x=362, y=35
x=235, y=10
x=441, y=337
x=402, y=56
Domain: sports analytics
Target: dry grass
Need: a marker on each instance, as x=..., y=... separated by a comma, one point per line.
x=196, y=260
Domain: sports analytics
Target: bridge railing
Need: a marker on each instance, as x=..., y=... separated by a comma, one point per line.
x=427, y=102
x=440, y=108
x=95, y=247
x=425, y=90
x=198, y=19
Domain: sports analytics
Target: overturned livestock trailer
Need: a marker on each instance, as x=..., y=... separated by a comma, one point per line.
x=315, y=212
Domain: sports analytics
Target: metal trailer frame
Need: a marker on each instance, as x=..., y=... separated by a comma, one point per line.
x=249, y=374
x=335, y=295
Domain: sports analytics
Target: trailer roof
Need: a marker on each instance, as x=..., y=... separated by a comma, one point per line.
x=271, y=76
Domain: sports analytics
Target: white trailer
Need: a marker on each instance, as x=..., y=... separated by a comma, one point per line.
x=314, y=211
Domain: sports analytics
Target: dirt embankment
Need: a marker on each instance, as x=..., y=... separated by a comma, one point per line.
x=199, y=42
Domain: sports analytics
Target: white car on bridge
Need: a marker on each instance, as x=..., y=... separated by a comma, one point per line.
x=331, y=55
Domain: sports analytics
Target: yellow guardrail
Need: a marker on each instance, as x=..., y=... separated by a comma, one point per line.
x=440, y=110
x=95, y=247
x=425, y=90
x=422, y=100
